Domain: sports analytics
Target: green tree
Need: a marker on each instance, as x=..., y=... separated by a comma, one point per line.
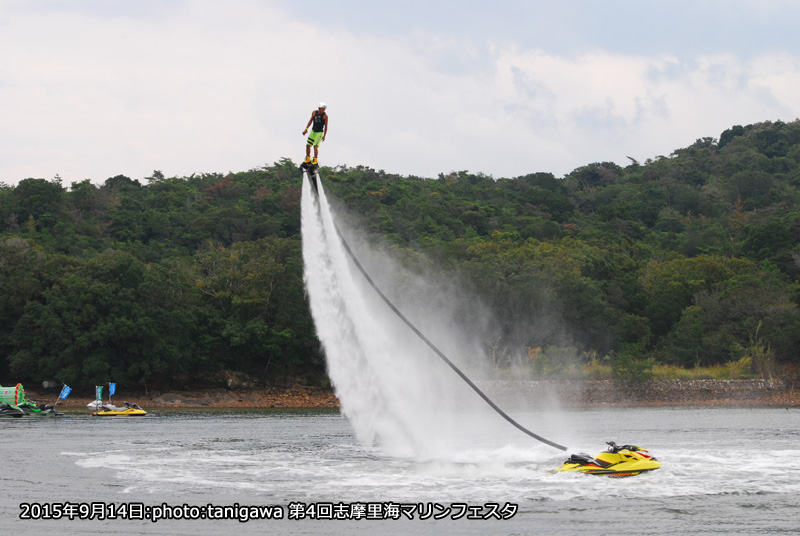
x=671, y=285
x=100, y=324
x=241, y=283
x=37, y=199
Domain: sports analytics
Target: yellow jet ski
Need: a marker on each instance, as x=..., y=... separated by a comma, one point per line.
x=130, y=410
x=617, y=461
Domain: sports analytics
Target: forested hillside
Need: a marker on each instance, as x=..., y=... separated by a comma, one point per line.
x=690, y=259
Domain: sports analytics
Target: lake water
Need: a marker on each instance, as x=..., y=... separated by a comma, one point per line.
x=725, y=471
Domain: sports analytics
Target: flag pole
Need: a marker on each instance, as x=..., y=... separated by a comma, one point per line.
x=65, y=391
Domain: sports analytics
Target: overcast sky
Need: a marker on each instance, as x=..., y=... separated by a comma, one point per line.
x=97, y=88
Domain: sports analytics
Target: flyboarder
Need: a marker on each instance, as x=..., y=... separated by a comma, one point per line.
x=319, y=130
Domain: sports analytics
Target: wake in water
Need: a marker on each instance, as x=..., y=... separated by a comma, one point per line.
x=391, y=387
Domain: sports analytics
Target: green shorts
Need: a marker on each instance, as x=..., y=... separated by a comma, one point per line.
x=315, y=138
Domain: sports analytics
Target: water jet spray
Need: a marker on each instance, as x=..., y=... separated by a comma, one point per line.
x=318, y=220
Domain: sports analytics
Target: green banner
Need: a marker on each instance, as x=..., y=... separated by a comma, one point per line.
x=99, y=390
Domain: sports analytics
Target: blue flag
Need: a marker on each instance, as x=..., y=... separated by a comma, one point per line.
x=112, y=388
x=65, y=392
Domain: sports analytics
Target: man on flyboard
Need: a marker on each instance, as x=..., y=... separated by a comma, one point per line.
x=319, y=129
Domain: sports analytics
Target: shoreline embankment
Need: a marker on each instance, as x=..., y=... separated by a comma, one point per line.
x=509, y=393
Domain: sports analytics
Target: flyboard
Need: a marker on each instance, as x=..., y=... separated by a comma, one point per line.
x=312, y=172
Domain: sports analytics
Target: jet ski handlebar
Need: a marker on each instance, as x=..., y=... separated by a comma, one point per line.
x=613, y=447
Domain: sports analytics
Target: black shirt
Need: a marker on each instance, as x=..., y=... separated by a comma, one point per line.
x=319, y=121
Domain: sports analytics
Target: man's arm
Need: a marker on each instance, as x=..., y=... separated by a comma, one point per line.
x=311, y=120
x=325, y=130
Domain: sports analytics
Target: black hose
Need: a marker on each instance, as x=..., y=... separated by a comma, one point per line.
x=433, y=347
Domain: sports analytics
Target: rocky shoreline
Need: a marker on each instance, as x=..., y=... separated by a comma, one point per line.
x=563, y=393
x=651, y=393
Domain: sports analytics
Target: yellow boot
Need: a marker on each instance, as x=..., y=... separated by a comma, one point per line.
x=307, y=160
x=314, y=162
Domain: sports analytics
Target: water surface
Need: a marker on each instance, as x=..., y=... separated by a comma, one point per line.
x=725, y=471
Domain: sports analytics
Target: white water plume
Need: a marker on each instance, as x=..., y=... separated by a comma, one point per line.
x=388, y=384
x=394, y=390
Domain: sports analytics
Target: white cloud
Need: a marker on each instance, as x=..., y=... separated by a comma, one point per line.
x=205, y=86
x=604, y=106
x=91, y=97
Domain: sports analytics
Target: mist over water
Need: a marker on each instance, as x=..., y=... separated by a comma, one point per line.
x=397, y=394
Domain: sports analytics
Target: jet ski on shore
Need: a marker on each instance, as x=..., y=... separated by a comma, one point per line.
x=617, y=461
x=110, y=410
x=10, y=410
x=32, y=408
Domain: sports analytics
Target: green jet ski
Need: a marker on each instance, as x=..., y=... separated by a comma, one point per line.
x=31, y=408
x=10, y=410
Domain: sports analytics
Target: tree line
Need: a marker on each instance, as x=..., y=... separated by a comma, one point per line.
x=690, y=259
